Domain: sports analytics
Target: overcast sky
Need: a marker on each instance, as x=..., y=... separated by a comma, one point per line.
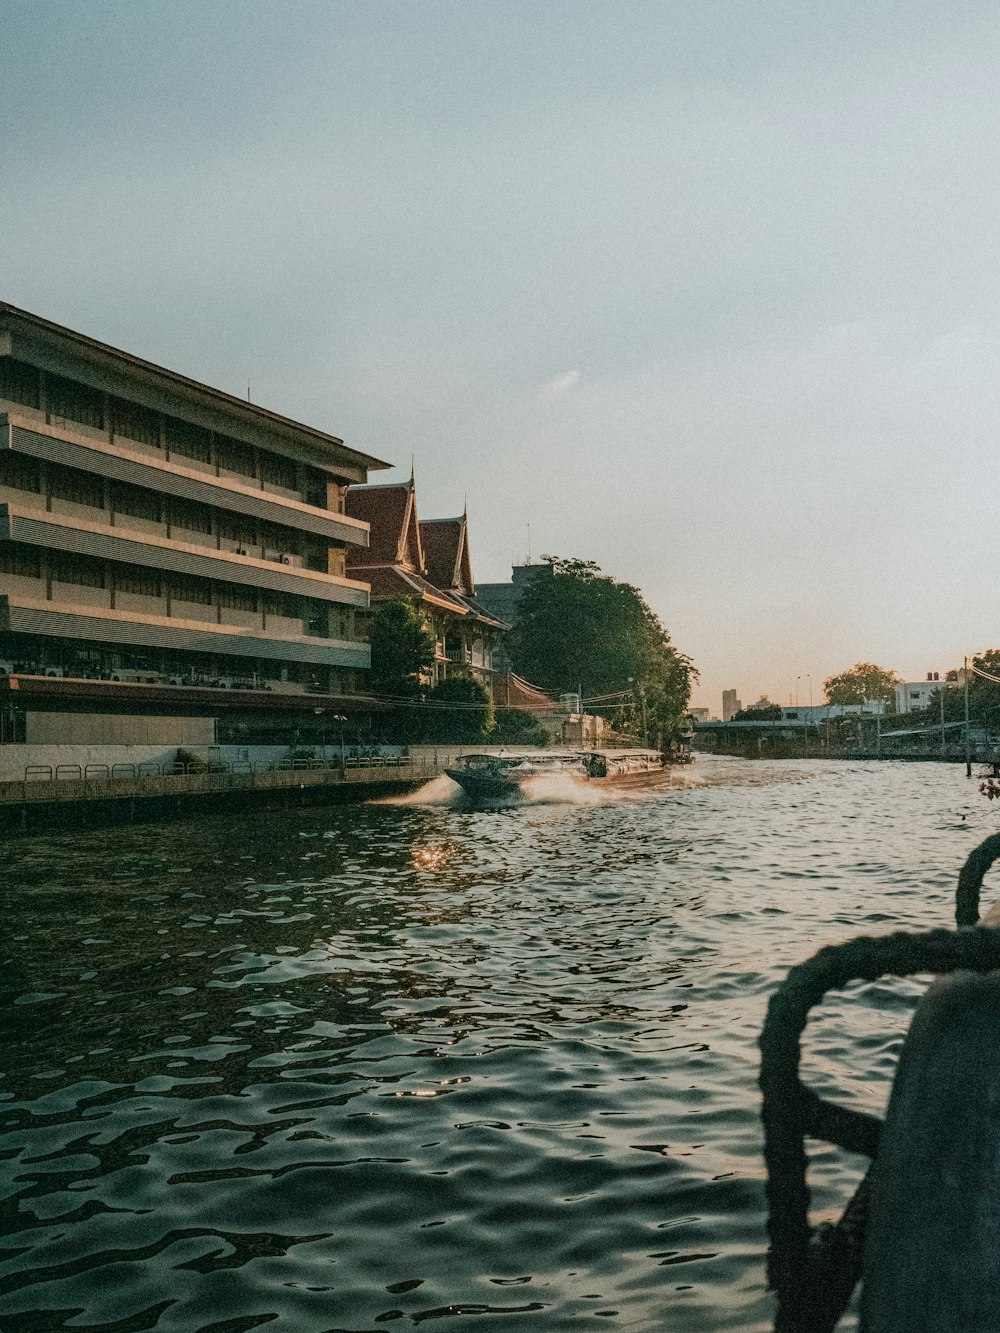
x=705, y=291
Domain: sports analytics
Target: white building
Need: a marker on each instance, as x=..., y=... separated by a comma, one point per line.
x=912, y=695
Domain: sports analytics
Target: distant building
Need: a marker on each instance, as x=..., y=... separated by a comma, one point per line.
x=169, y=554
x=812, y=714
x=730, y=705
x=916, y=694
x=700, y=714
x=502, y=598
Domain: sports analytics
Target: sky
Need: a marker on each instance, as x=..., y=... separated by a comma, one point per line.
x=708, y=292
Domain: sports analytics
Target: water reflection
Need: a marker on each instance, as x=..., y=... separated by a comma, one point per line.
x=347, y=1067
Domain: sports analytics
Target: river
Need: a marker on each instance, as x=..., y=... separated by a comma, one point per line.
x=364, y=1067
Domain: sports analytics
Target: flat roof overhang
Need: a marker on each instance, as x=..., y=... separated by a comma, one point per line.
x=51, y=346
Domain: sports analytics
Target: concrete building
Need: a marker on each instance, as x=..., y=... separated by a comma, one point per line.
x=912, y=695
x=502, y=599
x=730, y=705
x=168, y=553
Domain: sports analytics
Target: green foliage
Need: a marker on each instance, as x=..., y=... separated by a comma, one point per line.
x=863, y=683
x=401, y=647
x=984, y=695
x=759, y=713
x=515, y=726
x=471, y=718
x=581, y=629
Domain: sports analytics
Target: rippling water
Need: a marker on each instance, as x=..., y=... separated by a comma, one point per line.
x=358, y=1067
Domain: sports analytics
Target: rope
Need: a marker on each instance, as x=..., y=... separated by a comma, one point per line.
x=970, y=880
x=813, y=1272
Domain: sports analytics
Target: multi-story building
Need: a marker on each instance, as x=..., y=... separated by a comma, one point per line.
x=730, y=705
x=503, y=599
x=912, y=695
x=427, y=563
x=163, y=544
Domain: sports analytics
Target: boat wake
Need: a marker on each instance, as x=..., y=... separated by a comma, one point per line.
x=549, y=789
x=439, y=791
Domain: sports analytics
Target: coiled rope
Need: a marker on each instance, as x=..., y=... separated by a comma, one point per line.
x=813, y=1271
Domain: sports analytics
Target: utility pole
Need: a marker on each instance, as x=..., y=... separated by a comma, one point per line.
x=968, y=742
x=944, y=743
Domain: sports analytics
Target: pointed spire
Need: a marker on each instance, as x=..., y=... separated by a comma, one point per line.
x=411, y=471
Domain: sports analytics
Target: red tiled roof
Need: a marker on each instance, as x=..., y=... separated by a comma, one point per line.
x=391, y=513
x=391, y=581
x=513, y=691
x=479, y=611
x=445, y=543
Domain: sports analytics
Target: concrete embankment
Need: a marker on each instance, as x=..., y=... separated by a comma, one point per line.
x=95, y=795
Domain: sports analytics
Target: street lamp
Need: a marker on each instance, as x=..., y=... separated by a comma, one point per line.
x=339, y=717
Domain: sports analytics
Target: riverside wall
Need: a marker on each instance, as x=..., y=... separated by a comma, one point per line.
x=122, y=785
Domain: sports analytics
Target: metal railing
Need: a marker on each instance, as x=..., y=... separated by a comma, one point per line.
x=123, y=772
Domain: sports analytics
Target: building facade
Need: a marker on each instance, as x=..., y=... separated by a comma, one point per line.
x=913, y=695
x=730, y=705
x=428, y=564
x=162, y=541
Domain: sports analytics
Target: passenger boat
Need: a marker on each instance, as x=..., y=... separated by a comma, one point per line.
x=493, y=781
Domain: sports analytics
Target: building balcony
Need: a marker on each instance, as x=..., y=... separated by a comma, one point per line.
x=89, y=621
x=32, y=525
x=25, y=431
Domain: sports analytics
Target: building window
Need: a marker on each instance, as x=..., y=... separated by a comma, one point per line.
x=188, y=440
x=74, y=402
x=192, y=590
x=78, y=487
x=239, y=531
x=135, y=422
x=236, y=457
x=236, y=598
x=140, y=582
x=18, y=382
x=20, y=473
x=19, y=560
x=273, y=604
x=276, y=471
x=137, y=503
x=83, y=573
x=193, y=517
x=279, y=539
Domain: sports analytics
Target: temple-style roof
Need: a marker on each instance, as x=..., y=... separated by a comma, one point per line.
x=410, y=557
x=391, y=581
x=513, y=691
x=391, y=512
x=445, y=543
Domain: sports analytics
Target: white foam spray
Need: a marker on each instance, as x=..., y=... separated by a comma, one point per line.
x=439, y=791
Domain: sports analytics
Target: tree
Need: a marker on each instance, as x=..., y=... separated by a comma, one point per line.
x=468, y=717
x=984, y=694
x=402, y=648
x=765, y=711
x=583, y=630
x=516, y=726
x=863, y=683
